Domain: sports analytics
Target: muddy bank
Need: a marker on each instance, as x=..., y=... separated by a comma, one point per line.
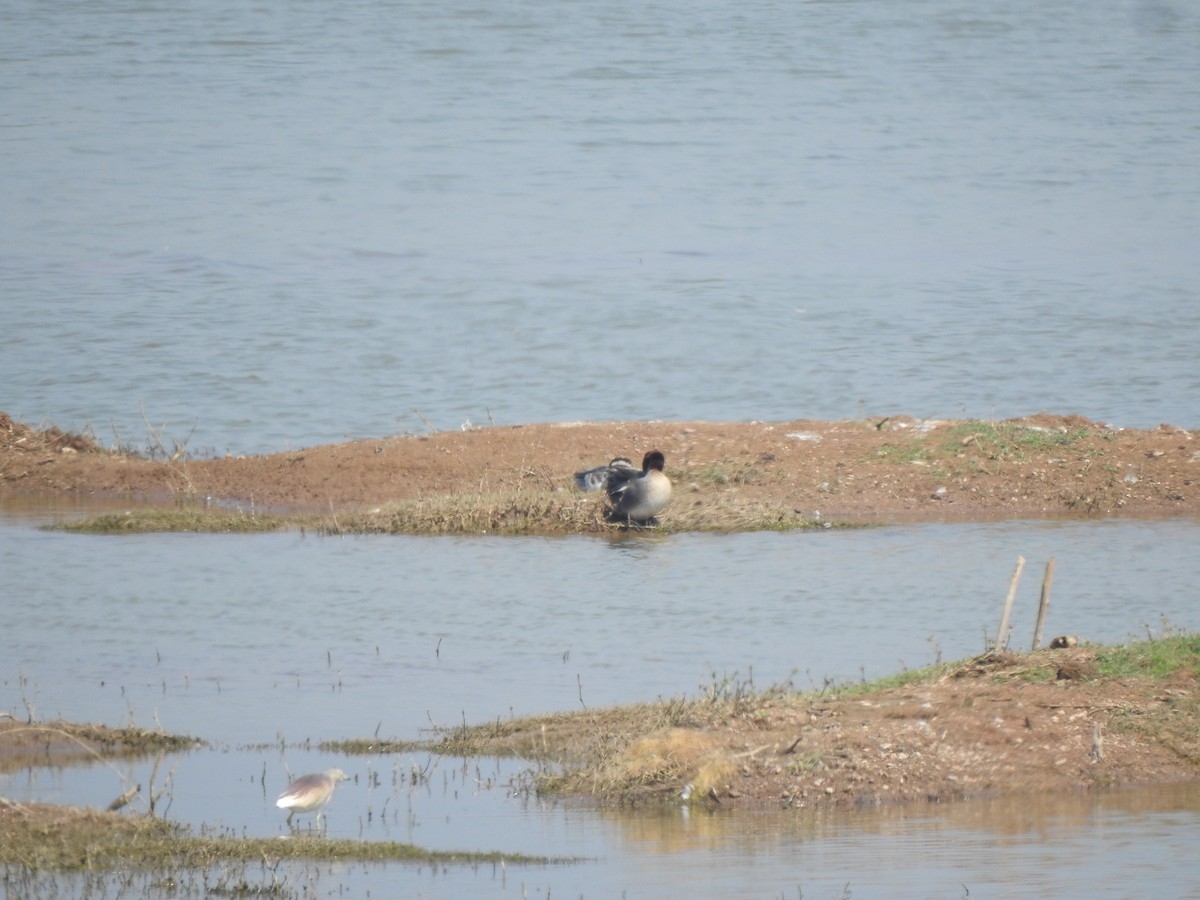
x=880, y=470
x=1070, y=720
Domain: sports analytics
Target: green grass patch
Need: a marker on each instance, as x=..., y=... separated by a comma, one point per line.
x=905, y=453
x=888, y=682
x=1008, y=440
x=1174, y=722
x=1160, y=658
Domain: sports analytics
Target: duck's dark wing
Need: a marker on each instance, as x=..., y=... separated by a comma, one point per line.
x=619, y=479
x=619, y=471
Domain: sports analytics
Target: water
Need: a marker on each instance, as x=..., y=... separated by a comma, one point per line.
x=352, y=637
x=266, y=645
x=270, y=228
x=252, y=228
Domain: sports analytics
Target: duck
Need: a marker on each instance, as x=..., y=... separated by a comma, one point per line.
x=637, y=495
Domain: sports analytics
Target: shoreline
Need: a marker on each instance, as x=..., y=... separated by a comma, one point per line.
x=1080, y=719
x=893, y=470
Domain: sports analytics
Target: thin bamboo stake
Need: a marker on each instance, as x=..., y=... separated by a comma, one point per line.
x=1044, y=606
x=1002, y=634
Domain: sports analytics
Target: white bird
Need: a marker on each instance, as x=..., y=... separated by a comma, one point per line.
x=310, y=793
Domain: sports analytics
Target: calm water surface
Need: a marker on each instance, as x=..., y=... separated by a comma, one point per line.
x=273, y=227
x=344, y=637
x=261, y=643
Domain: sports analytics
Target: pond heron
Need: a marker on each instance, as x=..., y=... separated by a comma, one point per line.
x=310, y=793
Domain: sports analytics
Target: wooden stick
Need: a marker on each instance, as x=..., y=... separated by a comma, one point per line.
x=1044, y=606
x=1002, y=635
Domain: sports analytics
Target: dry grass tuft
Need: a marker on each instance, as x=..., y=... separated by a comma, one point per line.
x=548, y=511
x=512, y=513
x=664, y=761
x=15, y=436
x=625, y=753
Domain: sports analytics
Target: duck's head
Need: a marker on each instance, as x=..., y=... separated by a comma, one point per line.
x=653, y=460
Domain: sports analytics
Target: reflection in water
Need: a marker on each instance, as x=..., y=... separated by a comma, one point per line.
x=1003, y=820
x=1116, y=843
x=638, y=544
x=1109, y=843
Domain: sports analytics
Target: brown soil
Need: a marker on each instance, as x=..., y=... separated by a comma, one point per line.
x=980, y=731
x=895, y=469
x=1002, y=723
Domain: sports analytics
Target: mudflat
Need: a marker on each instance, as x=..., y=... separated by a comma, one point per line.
x=877, y=470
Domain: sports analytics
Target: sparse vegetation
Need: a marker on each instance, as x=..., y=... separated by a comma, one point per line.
x=905, y=453
x=721, y=473
x=975, y=442
x=40, y=837
x=46, y=438
x=180, y=518
x=541, y=512
x=26, y=744
x=1156, y=658
x=633, y=753
x=889, y=682
x=1011, y=440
